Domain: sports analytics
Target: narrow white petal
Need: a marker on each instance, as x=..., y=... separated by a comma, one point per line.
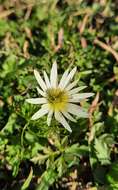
x=68, y=116
x=53, y=75
x=36, y=100
x=40, y=91
x=81, y=96
x=46, y=80
x=77, y=110
x=74, y=100
x=71, y=85
x=40, y=80
x=43, y=111
x=69, y=77
x=49, y=117
x=76, y=90
x=63, y=78
x=59, y=117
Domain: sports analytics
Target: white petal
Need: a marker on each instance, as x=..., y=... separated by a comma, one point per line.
x=75, y=90
x=73, y=100
x=71, y=85
x=68, y=116
x=36, y=100
x=59, y=117
x=63, y=78
x=53, y=75
x=40, y=80
x=40, y=91
x=44, y=110
x=49, y=117
x=69, y=77
x=77, y=110
x=81, y=96
x=46, y=80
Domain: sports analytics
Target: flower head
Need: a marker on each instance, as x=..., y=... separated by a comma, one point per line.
x=60, y=99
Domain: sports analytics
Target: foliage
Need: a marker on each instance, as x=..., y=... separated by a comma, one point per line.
x=32, y=35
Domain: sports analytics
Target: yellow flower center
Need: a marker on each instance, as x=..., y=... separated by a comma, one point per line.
x=57, y=99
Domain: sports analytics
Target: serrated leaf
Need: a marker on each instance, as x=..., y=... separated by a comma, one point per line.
x=47, y=179
x=102, y=147
x=61, y=166
x=40, y=159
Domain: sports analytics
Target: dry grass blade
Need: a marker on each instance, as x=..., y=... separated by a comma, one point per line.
x=107, y=48
x=60, y=40
x=25, y=49
x=91, y=110
x=94, y=103
x=83, y=24
x=6, y=13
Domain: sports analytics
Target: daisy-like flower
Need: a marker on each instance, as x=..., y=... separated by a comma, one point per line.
x=60, y=99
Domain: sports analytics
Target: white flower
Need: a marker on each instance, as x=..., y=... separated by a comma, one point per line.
x=59, y=98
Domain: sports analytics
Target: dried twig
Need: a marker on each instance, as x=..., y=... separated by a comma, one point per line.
x=28, y=13
x=93, y=107
x=83, y=42
x=83, y=24
x=6, y=13
x=25, y=49
x=81, y=28
x=107, y=48
x=91, y=110
x=60, y=40
x=94, y=103
x=28, y=32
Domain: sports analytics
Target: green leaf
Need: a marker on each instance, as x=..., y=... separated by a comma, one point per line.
x=102, y=147
x=61, y=166
x=8, y=128
x=4, y=27
x=9, y=65
x=77, y=150
x=40, y=158
x=28, y=180
x=115, y=69
x=97, y=129
x=112, y=176
x=47, y=179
